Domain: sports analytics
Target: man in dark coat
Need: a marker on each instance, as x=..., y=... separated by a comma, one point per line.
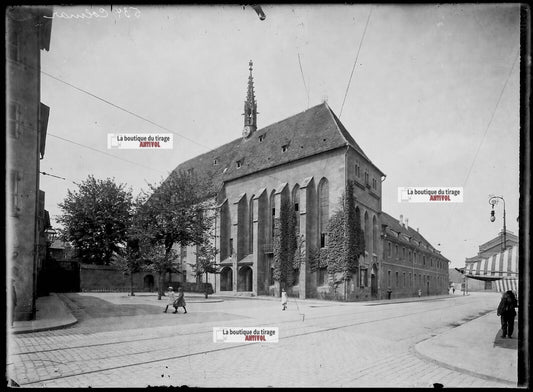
x=507, y=313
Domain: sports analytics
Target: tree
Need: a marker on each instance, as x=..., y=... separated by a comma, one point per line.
x=129, y=261
x=346, y=241
x=96, y=218
x=285, y=244
x=351, y=226
x=174, y=213
x=159, y=260
x=205, y=261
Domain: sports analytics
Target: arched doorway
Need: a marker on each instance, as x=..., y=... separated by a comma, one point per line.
x=244, y=282
x=226, y=279
x=148, y=283
x=374, y=282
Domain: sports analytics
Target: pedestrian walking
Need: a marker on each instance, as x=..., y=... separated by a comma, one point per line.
x=506, y=311
x=283, y=299
x=171, y=299
x=453, y=289
x=389, y=293
x=180, y=301
x=419, y=293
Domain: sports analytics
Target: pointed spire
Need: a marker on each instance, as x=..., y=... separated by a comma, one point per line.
x=250, y=105
x=250, y=96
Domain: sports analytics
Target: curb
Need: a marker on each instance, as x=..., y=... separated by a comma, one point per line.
x=57, y=325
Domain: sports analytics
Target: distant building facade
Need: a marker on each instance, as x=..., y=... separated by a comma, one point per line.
x=410, y=263
x=27, y=33
x=306, y=159
x=486, y=250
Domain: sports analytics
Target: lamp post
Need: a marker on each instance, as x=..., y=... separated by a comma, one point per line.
x=493, y=200
x=50, y=235
x=44, y=278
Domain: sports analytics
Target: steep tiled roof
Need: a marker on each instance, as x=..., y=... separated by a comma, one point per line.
x=311, y=132
x=394, y=225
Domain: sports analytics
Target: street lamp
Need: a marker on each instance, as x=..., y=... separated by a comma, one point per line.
x=493, y=200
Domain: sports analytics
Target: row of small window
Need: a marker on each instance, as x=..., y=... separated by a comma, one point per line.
x=239, y=162
x=415, y=256
x=417, y=281
x=367, y=177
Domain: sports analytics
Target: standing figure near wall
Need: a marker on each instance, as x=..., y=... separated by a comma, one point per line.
x=507, y=313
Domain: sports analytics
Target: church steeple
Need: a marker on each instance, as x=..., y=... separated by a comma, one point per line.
x=250, y=107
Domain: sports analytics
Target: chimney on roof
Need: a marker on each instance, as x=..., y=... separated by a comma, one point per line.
x=417, y=230
x=406, y=223
x=401, y=220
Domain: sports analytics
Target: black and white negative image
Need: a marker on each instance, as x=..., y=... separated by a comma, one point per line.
x=292, y=195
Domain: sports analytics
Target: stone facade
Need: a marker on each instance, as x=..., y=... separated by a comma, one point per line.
x=108, y=278
x=27, y=33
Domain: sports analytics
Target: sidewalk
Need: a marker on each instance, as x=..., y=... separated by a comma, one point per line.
x=52, y=313
x=477, y=348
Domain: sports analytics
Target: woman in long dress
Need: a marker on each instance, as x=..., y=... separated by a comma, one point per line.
x=180, y=301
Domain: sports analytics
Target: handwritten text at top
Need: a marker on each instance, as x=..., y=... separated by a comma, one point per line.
x=120, y=12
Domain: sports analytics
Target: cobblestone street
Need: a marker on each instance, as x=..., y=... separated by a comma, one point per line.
x=327, y=344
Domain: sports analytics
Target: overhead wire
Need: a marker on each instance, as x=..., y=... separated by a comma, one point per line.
x=491, y=118
x=303, y=78
x=105, y=153
x=123, y=109
x=355, y=62
x=52, y=175
x=131, y=113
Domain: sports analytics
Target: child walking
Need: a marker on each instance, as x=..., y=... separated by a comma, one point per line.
x=171, y=299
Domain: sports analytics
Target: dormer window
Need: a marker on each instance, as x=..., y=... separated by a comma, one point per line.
x=261, y=138
x=284, y=148
x=215, y=161
x=239, y=163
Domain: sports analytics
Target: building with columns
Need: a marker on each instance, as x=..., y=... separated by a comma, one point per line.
x=308, y=160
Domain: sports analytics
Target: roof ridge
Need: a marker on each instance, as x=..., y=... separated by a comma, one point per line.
x=350, y=141
x=288, y=118
x=260, y=129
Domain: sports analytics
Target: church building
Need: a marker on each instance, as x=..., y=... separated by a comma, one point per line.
x=306, y=159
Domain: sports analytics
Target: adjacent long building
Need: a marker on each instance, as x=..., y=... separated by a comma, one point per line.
x=307, y=159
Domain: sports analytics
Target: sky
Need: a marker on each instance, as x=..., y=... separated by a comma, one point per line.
x=429, y=92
